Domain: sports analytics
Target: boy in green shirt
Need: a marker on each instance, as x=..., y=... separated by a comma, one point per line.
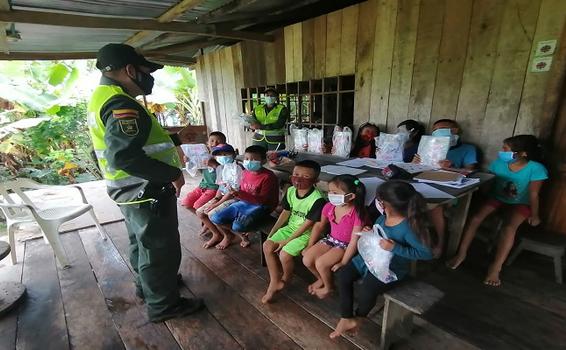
x=302, y=207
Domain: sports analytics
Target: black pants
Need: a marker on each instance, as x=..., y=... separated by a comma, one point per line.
x=369, y=290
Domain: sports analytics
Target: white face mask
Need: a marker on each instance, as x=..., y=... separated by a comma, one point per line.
x=454, y=140
x=337, y=199
x=379, y=207
x=270, y=100
x=403, y=130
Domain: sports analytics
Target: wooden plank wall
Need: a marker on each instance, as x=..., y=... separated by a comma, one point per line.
x=421, y=59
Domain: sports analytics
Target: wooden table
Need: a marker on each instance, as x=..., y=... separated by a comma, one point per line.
x=462, y=197
x=10, y=292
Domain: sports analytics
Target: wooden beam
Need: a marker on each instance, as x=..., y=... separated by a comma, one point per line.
x=76, y=21
x=184, y=46
x=171, y=14
x=225, y=9
x=49, y=56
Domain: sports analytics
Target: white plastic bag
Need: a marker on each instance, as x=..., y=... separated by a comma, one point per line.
x=376, y=258
x=230, y=175
x=315, y=140
x=246, y=119
x=342, y=141
x=433, y=149
x=299, y=138
x=197, y=155
x=390, y=147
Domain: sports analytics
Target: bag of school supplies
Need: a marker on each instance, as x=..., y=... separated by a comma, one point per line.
x=341, y=141
x=247, y=119
x=433, y=149
x=299, y=139
x=376, y=258
x=197, y=156
x=390, y=147
x=230, y=175
x=315, y=140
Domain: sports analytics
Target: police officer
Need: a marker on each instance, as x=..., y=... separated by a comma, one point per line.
x=271, y=117
x=141, y=167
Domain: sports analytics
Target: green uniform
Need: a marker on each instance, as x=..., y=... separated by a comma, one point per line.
x=300, y=208
x=272, y=133
x=139, y=161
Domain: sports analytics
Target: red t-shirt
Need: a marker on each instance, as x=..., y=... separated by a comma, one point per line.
x=259, y=187
x=364, y=152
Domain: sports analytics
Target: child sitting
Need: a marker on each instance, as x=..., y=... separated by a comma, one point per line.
x=302, y=206
x=518, y=179
x=207, y=187
x=258, y=196
x=346, y=214
x=404, y=222
x=414, y=130
x=364, y=145
x=223, y=154
x=461, y=157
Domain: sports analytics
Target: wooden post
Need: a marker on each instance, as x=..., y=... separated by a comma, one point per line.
x=397, y=323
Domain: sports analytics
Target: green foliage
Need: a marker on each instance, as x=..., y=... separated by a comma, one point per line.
x=183, y=83
x=56, y=151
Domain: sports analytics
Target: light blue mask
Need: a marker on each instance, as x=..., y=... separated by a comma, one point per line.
x=223, y=160
x=252, y=165
x=270, y=100
x=507, y=157
x=442, y=132
x=211, y=169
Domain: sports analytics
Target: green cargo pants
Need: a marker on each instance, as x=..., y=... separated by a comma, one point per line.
x=155, y=251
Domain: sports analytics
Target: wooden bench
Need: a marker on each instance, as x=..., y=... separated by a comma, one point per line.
x=545, y=243
x=262, y=232
x=410, y=297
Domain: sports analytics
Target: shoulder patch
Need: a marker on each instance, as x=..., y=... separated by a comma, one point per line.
x=129, y=126
x=125, y=113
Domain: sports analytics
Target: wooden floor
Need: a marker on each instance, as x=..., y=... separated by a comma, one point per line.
x=92, y=305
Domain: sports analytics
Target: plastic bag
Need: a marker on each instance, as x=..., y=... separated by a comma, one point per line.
x=299, y=138
x=315, y=140
x=390, y=147
x=376, y=258
x=342, y=141
x=197, y=155
x=433, y=149
x=246, y=119
x=230, y=175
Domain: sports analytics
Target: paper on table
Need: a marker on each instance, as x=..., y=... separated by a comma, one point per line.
x=374, y=163
x=371, y=183
x=430, y=192
x=413, y=168
x=341, y=170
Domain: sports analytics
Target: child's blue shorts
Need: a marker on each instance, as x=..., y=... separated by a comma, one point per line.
x=243, y=216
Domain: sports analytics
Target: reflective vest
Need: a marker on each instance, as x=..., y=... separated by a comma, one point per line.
x=300, y=207
x=157, y=146
x=269, y=118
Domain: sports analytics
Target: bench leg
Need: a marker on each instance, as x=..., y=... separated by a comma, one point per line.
x=262, y=239
x=397, y=323
x=558, y=269
x=515, y=253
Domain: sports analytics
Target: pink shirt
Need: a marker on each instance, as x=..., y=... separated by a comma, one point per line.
x=342, y=230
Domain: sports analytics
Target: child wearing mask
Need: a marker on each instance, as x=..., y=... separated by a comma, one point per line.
x=414, y=130
x=404, y=221
x=302, y=207
x=345, y=213
x=223, y=154
x=257, y=197
x=364, y=145
x=207, y=187
x=518, y=179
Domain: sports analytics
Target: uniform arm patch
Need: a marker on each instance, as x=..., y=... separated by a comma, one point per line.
x=129, y=126
x=125, y=113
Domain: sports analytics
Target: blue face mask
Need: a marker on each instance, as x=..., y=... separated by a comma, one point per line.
x=270, y=100
x=223, y=160
x=252, y=165
x=442, y=132
x=507, y=157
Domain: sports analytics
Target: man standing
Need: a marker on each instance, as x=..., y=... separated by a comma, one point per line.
x=271, y=117
x=141, y=167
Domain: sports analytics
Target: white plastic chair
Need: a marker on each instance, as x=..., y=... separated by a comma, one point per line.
x=49, y=219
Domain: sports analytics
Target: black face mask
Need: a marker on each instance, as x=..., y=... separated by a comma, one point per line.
x=144, y=81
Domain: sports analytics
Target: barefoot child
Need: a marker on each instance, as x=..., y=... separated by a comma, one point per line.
x=302, y=206
x=404, y=222
x=346, y=214
x=223, y=154
x=258, y=196
x=207, y=187
x=518, y=179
